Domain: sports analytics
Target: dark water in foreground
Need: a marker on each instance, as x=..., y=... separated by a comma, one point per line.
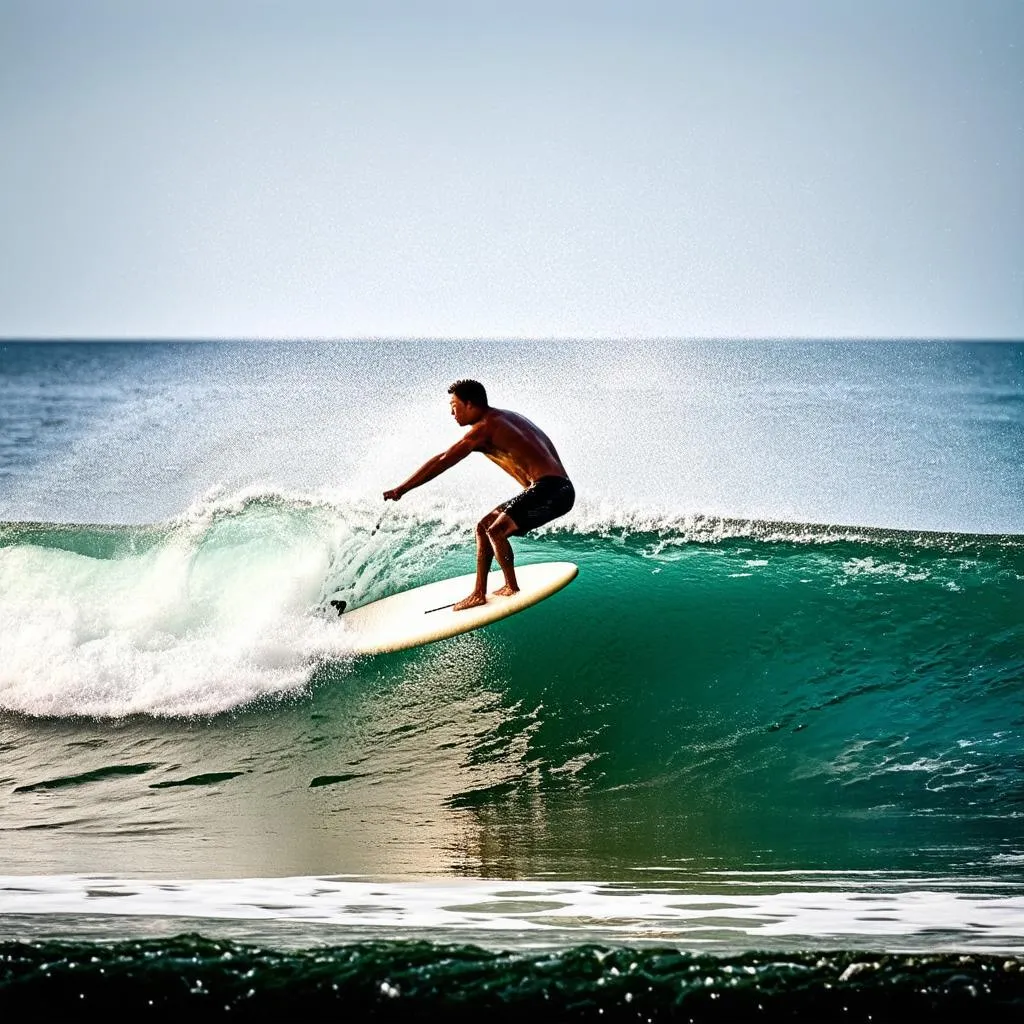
x=406, y=981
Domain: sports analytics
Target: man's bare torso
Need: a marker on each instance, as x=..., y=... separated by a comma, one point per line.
x=518, y=446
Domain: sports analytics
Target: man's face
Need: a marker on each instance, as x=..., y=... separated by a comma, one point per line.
x=462, y=412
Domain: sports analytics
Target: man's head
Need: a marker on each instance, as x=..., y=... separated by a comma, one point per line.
x=468, y=401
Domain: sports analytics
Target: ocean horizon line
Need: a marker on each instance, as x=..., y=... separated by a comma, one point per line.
x=507, y=338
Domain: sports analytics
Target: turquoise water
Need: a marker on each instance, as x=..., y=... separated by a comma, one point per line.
x=715, y=693
x=780, y=708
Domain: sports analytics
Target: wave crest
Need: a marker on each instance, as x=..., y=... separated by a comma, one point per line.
x=222, y=605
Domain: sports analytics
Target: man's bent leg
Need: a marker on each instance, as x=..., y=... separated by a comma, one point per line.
x=484, y=555
x=501, y=528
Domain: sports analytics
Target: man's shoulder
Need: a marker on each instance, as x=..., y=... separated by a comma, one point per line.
x=503, y=417
x=493, y=418
x=480, y=431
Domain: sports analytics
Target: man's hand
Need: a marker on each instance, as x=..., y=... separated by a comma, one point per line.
x=393, y=495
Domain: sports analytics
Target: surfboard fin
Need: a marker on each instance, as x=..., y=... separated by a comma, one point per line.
x=339, y=606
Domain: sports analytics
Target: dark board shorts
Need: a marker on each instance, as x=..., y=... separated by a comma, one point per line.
x=545, y=499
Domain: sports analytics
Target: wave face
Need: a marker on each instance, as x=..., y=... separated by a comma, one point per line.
x=753, y=663
x=226, y=604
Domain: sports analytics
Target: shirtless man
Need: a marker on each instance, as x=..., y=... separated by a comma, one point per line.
x=524, y=451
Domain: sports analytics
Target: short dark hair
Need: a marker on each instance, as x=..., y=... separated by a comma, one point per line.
x=471, y=391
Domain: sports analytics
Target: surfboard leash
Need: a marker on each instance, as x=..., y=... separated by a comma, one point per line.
x=340, y=606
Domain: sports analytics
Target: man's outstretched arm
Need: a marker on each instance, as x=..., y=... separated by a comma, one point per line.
x=436, y=466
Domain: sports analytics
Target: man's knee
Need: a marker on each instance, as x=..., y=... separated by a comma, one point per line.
x=483, y=528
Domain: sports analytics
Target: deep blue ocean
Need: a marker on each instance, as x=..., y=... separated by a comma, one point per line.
x=763, y=759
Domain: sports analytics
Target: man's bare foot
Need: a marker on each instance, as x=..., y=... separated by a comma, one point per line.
x=470, y=602
x=506, y=591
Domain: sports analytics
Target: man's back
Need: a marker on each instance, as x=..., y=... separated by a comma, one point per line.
x=519, y=447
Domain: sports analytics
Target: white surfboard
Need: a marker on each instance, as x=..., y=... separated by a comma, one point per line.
x=424, y=614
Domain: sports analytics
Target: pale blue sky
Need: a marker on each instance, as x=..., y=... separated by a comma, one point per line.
x=237, y=168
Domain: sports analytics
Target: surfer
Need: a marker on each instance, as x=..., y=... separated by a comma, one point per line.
x=526, y=453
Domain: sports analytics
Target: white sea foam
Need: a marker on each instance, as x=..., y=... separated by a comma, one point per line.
x=214, y=615
x=856, y=910
x=169, y=632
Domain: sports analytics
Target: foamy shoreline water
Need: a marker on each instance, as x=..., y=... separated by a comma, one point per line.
x=714, y=911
